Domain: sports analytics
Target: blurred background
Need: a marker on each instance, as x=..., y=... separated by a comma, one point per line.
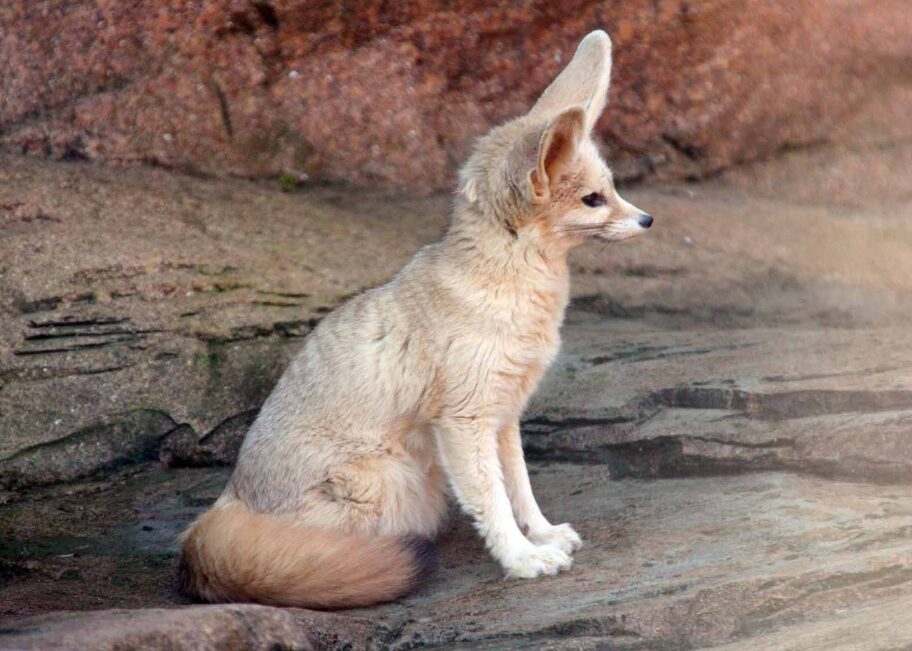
x=187, y=188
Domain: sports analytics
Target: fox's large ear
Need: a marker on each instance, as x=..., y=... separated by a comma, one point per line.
x=584, y=82
x=557, y=149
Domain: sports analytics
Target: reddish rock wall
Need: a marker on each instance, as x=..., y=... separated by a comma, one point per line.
x=389, y=93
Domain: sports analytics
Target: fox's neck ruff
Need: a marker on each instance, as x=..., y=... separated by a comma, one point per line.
x=512, y=273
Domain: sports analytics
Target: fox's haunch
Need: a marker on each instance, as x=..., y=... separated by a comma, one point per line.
x=233, y=554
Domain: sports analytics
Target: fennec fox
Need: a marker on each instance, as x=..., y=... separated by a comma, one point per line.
x=341, y=482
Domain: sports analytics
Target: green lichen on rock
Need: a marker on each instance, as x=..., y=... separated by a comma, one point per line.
x=288, y=182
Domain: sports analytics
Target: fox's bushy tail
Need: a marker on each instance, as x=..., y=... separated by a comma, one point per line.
x=233, y=554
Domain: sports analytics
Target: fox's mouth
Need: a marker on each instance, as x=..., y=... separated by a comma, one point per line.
x=624, y=229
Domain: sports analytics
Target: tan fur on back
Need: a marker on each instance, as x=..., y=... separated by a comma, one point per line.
x=419, y=385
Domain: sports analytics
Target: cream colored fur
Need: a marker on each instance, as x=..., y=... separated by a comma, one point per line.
x=420, y=383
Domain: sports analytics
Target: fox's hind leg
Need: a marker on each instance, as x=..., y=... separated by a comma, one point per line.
x=383, y=494
x=358, y=538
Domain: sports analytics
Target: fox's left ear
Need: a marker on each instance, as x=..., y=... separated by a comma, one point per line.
x=584, y=82
x=557, y=150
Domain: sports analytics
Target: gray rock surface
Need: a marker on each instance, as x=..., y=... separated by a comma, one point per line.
x=748, y=559
x=729, y=424
x=652, y=402
x=147, y=314
x=150, y=313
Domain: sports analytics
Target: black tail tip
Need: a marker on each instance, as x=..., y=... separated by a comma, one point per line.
x=426, y=560
x=185, y=582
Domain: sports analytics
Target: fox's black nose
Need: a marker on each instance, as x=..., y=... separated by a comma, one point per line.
x=645, y=221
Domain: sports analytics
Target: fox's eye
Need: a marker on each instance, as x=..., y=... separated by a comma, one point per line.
x=594, y=200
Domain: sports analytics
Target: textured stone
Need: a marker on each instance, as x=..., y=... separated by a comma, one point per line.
x=759, y=560
x=147, y=314
x=209, y=628
x=394, y=93
x=654, y=403
x=150, y=314
x=721, y=381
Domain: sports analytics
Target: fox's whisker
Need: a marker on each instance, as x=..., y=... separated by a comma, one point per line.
x=582, y=227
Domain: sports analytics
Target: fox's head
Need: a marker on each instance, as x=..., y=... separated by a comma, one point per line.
x=541, y=177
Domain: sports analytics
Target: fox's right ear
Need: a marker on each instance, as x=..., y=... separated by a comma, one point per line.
x=584, y=82
x=557, y=151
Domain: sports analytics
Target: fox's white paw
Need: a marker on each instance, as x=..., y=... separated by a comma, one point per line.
x=561, y=536
x=534, y=561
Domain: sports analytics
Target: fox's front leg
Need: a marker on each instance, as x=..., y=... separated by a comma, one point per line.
x=468, y=453
x=526, y=509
